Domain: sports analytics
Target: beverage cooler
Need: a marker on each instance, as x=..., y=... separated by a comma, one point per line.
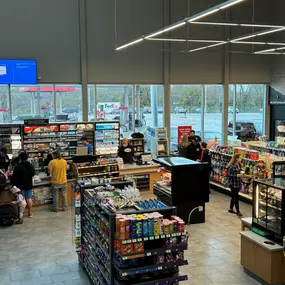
x=107, y=137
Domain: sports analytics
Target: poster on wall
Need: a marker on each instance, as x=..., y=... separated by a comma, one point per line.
x=183, y=130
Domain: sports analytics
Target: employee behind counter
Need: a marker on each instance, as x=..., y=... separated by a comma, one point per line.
x=126, y=152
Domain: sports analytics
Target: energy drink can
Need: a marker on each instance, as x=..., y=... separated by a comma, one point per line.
x=150, y=226
x=138, y=227
x=145, y=227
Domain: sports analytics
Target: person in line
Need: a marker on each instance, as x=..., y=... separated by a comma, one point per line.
x=89, y=146
x=183, y=146
x=194, y=150
x=234, y=180
x=205, y=154
x=57, y=169
x=4, y=159
x=48, y=159
x=20, y=201
x=193, y=136
x=126, y=152
x=22, y=178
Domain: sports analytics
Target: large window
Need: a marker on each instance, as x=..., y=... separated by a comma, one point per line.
x=68, y=103
x=186, y=109
x=248, y=100
x=4, y=105
x=213, y=111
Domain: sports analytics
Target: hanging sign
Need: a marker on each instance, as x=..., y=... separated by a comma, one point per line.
x=183, y=130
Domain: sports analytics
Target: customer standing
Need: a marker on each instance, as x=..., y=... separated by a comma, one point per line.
x=194, y=150
x=234, y=180
x=183, y=146
x=22, y=178
x=89, y=146
x=57, y=169
x=205, y=155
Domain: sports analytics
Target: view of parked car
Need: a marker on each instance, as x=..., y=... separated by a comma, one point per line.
x=245, y=130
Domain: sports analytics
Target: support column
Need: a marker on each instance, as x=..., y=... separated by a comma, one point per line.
x=10, y=103
x=37, y=101
x=226, y=80
x=166, y=73
x=83, y=57
x=95, y=102
x=154, y=105
x=138, y=103
x=234, y=110
x=54, y=102
x=203, y=110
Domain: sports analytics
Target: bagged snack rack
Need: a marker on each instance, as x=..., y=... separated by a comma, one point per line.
x=119, y=244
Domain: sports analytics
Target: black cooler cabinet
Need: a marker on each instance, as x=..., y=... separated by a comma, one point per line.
x=189, y=187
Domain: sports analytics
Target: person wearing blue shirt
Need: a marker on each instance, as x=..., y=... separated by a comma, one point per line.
x=89, y=146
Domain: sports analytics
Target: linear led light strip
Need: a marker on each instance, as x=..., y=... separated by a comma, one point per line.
x=206, y=47
x=257, y=34
x=269, y=50
x=193, y=18
x=184, y=40
x=237, y=25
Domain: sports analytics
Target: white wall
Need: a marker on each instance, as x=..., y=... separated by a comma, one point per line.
x=43, y=30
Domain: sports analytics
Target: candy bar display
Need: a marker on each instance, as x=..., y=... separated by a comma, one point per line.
x=252, y=166
x=268, y=208
x=120, y=244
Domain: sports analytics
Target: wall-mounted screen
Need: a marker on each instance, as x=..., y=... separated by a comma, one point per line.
x=18, y=71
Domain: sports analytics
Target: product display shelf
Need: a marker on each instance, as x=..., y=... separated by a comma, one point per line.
x=97, y=253
x=38, y=140
x=279, y=152
x=96, y=173
x=10, y=138
x=268, y=208
x=107, y=138
x=219, y=174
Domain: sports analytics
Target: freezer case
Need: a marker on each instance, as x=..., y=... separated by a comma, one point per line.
x=268, y=208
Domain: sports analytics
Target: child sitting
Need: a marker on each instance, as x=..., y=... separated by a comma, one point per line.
x=21, y=203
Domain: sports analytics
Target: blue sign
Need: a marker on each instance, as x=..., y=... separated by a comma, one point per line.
x=14, y=71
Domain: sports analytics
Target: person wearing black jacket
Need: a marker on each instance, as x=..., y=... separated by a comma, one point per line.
x=126, y=152
x=23, y=179
x=194, y=150
x=205, y=155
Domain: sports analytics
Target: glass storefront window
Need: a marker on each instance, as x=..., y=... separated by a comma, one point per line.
x=4, y=104
x=32, y=101
x=248, y=120
x=213, y=110
x=115, y=102
x=185, y=110
x=68, y=103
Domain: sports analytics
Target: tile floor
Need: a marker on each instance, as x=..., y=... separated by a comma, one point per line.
x=41, y=251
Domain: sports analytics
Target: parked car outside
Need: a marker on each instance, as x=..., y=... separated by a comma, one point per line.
x=231, y=110
x=147, y=110
x=180, y=110
x=245, y=130
x=70, y=110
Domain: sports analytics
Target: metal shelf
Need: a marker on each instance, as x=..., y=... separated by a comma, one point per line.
x=151, y=268
x=150, y=238
x=152, y=252
x=164, y=281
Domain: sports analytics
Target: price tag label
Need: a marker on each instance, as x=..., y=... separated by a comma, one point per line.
x=139, y=239
x=151, y=238
x=163, y=236
x=167, y=235
x=168, y=251
x=148, y=254
x=159, y=268
x=146, y=238
x=157, y=237
x=124, y=274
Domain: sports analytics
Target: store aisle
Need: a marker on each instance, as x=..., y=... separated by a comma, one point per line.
x=41, y=252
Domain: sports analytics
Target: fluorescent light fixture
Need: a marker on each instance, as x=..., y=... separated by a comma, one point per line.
x=206, y=47
x=172, y=27
x=271, y=31
x=257, y=34
x=190, y=19
x=203, y=15
x=237, y=25
x=129, y=44
x=231, y=4
x=184, y=40
x=260, y=26
x=277, y=44
x=249, y=43
x=269, y=50
x=243, y=38
x=215, y=24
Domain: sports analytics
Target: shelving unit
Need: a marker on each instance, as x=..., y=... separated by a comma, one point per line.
x=11, y=138
x=107, y=137
x=37, y=140
x=96, y=246
x=137, y=144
